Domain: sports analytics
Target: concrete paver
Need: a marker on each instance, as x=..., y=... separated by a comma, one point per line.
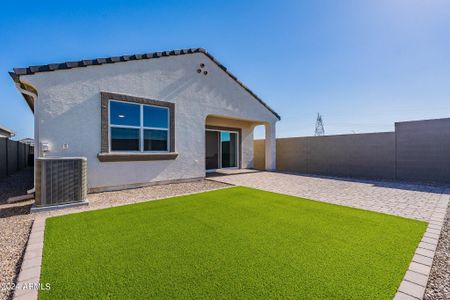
x=402, y=199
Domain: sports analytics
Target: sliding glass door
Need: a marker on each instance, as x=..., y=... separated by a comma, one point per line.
x=228, y=141
x=212, y=150
x=222, y=149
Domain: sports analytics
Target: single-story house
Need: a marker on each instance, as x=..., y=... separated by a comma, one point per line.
x=6, y=132
x=145, y=119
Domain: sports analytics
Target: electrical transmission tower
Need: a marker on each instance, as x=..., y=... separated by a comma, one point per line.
x=319, y=126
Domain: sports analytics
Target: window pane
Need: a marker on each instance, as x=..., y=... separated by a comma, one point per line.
x=156, y=117
x=225, y=136
x=124, y=139
x=229, y=149
x=125, y=114
x=155, y=140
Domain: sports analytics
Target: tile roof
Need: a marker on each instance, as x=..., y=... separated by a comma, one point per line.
x=17, y=72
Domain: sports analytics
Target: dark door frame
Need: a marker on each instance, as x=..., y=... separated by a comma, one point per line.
x=239, y=130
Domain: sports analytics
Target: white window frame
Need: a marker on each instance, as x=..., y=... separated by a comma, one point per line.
x=141, y=128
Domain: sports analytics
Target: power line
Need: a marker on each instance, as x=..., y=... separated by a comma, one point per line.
x=319, y=126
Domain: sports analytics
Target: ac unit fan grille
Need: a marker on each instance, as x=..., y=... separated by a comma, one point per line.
x=62, y=181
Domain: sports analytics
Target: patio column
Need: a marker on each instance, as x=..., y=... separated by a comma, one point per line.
x=271, y=146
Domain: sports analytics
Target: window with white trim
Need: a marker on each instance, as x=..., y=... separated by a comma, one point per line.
x=138, y=127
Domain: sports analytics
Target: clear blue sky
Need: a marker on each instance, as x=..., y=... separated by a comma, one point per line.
x=362, y=64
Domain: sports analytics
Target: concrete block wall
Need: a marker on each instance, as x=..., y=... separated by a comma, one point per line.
x=423, y=150
x=416, y=151
x=13, y=156
x=358, y=155
x=3, y=158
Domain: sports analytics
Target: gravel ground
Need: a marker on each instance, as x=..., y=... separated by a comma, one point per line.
x=16, y=220
x=110, y=199
x=438, y=286
x=15, y=224
x=16, y=184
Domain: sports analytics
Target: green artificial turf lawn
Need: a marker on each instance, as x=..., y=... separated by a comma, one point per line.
x=231, y=243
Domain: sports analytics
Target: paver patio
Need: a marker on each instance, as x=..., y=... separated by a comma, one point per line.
x=401, y=199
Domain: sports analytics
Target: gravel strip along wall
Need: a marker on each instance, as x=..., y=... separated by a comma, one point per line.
x=15, y=224
x=438, y=286
x=14, y=230
x=414, y=283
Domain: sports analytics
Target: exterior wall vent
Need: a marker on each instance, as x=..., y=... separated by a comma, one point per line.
x=60, y=180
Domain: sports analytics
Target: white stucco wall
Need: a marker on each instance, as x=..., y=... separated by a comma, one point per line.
x=67, y=111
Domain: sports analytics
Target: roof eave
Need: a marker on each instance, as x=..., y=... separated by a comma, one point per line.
x=21, y=86
x=17, y=72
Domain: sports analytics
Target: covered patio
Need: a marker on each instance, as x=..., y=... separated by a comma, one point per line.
x=229, y=143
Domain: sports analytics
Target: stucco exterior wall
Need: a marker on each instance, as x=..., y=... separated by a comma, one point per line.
x=67, y=111
x=259, y=154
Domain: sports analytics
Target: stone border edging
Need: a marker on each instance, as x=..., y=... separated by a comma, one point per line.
x=27, y=286
x=35, y=208
x=415, y=281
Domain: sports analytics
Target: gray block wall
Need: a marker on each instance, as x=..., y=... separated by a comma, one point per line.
x=416, y=151
x=3, y=158
x=14, y=156
x=423, y=150
x=358, y=155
